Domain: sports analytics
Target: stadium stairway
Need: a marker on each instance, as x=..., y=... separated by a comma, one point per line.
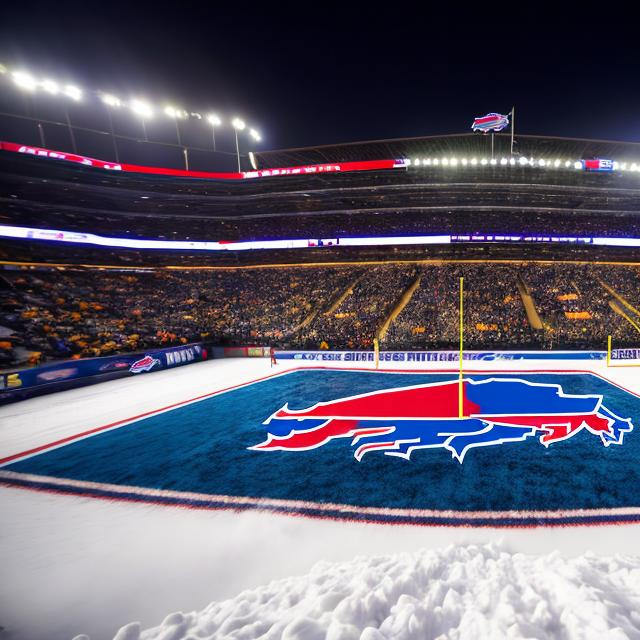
x=615, y=305
x=341, y=297
x=620, y=298
x=529, y=305
x=397, y=309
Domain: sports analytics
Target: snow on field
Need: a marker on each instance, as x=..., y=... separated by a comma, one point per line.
x=72, y=565
x=455, y=592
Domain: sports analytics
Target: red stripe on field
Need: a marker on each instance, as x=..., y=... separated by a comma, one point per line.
x=124, y=421
x=313, y=516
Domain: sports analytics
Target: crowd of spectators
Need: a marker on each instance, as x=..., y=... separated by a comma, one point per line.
x=429, y=320
x=494, y=315
x=55, y=313
x=576, y=309
x=62, y=314
x=625, y=281
x=354, y=322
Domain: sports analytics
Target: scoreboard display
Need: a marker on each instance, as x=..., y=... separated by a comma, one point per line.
x=597, y=164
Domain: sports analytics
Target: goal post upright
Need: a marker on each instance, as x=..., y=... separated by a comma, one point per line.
x=632, y=354
x=460, y=383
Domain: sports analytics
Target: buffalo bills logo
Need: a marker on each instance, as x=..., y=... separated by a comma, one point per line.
x=144, y=364
x=398, y=421
x=490, y=122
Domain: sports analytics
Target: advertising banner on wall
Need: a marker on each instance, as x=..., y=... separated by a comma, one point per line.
x=435, y=356
x=71, y=373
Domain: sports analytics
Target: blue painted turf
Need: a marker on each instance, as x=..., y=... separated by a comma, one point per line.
x=202, y=447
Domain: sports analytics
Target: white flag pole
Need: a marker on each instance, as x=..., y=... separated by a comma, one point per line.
x=513, y=125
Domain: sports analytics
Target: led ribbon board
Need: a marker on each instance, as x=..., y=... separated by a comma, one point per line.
x=76, y=237
x=335, y=167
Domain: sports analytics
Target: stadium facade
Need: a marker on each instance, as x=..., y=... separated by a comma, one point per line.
x=440, y=186
x=545, y=239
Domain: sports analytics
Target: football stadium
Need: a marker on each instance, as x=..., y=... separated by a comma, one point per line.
x=387, y=368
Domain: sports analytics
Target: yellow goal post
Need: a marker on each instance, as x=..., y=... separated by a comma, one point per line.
x=622, y=357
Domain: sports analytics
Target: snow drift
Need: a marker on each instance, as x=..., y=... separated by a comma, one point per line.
x=457, y=592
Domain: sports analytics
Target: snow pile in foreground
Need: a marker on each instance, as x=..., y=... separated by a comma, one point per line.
x=456, y=592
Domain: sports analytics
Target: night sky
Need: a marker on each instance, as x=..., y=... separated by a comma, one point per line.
x=341, y=73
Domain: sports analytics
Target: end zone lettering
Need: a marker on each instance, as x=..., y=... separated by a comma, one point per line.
x=359, y=356
x=331, y=356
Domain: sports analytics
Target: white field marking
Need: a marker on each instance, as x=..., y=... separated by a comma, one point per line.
x=240, y=501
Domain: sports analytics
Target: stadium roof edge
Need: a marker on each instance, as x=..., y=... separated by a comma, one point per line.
x=436, y=144
x=445, y=135
x=357, y=142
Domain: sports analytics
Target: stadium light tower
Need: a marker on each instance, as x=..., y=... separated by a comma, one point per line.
x=255, y=135
x=214, y=121
x=73, y=92
x=112, y=102
x=179, y=114
x=238, y=125
x=144, y=110
x=27, y=83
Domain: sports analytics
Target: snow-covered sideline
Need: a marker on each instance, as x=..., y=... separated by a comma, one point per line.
x=71, y=564
x=455, y=592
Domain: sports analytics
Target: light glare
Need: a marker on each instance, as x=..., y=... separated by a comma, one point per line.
x=50, y=86
x=111, y=101
x=73, y=92
x=238, y=124
x=24, y=80
x=142, y=108
x=174, y=112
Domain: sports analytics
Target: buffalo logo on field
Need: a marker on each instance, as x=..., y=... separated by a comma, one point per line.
x=144, y=364
x=399, y=421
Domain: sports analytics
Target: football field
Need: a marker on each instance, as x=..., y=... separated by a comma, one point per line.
x=116, y=493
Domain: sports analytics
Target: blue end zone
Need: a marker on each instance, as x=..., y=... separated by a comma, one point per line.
x=203, y=448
